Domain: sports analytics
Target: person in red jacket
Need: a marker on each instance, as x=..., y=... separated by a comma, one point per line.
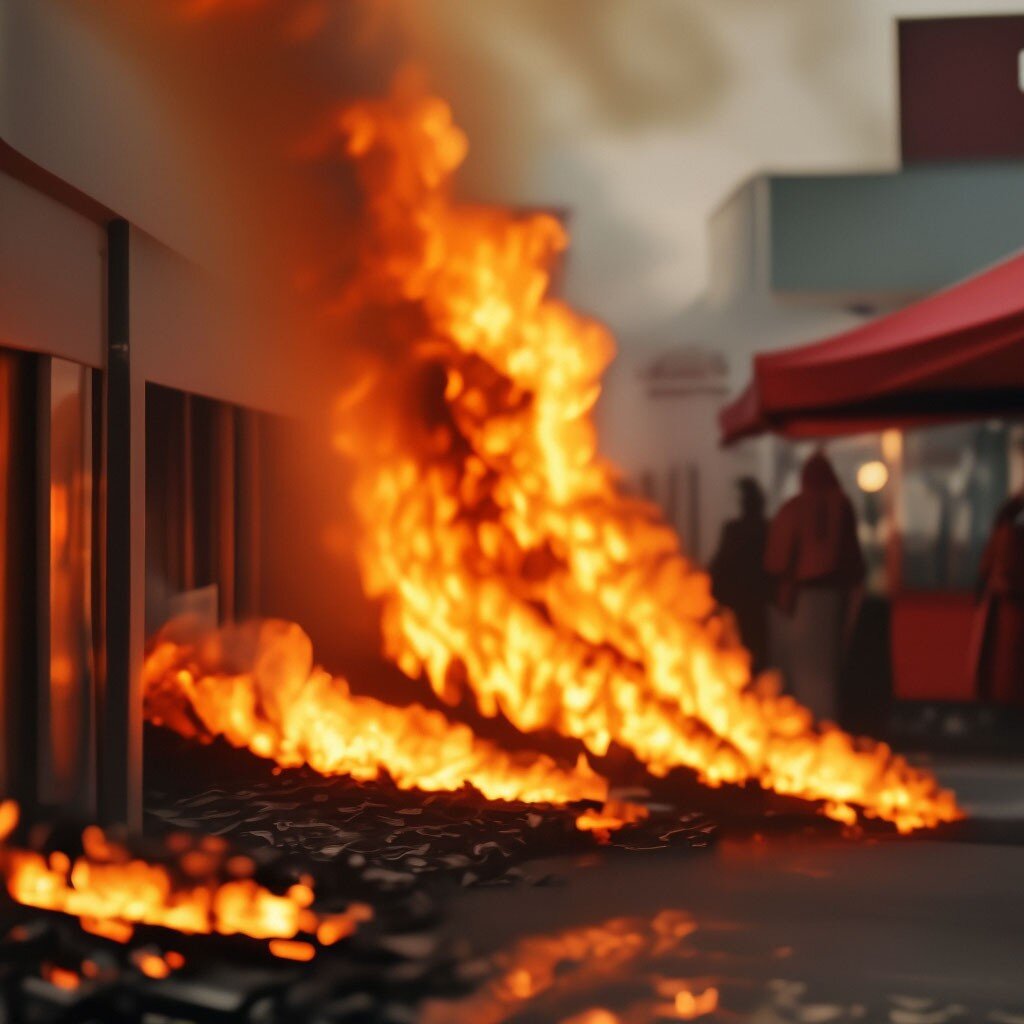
x=814, y=558
x=1000, y=663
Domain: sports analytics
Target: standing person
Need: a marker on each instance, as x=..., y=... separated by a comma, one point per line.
x=814, y=558
x=1000, y=657
x=738, y=579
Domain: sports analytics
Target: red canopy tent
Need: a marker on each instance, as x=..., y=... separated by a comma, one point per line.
x=957, y=354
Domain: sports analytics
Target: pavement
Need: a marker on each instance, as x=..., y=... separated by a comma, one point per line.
x=784, y=928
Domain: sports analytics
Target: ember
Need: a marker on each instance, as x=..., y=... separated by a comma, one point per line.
x=532, y=976
x=257, y=686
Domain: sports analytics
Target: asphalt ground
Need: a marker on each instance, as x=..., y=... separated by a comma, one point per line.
x=785, y=927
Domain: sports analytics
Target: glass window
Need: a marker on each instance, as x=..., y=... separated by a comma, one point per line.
x=67, y=661
x=954, y=480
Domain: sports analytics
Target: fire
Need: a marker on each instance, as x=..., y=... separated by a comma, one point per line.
x=111, y=893
x=507, y=559
x=689, y=1005
x=257, y=686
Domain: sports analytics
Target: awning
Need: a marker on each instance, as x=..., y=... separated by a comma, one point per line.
x=957, y=354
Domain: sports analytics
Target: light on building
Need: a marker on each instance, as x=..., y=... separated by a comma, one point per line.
x=872, y=476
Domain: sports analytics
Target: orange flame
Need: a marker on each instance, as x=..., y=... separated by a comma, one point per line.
x=507, y=559
x=256, y=685
x=111, y=892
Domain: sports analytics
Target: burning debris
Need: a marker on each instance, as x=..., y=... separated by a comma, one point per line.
x=117, y=933
x=190, y=928
x=373, y=838
x=203, y=889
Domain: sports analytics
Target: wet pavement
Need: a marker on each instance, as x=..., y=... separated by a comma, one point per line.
x=912, y=931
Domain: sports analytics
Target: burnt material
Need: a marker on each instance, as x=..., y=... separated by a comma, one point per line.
x=384, y=839
x=51, y=971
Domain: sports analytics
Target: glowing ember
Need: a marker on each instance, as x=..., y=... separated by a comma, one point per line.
x=689, y=1005
x=612, y=816
x=61, y=977
x=256, y=685
x=111, y=892
x=288, y=949
x=507, y=559
x=153, y=965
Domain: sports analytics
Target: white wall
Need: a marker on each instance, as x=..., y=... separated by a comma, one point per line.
x=52, y=277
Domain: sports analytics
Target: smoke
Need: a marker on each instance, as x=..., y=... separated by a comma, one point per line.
x=211, y=118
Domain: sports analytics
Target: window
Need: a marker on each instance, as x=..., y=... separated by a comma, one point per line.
x=954, y=480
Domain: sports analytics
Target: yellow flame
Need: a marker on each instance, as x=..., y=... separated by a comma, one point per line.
x=256, y=685
x=507, y=559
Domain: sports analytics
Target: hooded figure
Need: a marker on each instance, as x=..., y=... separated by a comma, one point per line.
x=814, y=558
x=1000, y=658
x=738, y=579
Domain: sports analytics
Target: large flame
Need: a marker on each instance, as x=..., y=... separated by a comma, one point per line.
x=112, y=892
x=256, y=685
x=507, y=558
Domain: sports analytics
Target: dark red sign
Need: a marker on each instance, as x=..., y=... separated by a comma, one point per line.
x=960, y=88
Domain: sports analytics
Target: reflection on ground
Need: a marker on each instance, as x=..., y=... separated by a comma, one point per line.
x=768, y=929
x=633, y=970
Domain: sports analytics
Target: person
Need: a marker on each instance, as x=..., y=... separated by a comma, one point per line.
x=814, y=559
x=738, y=579
x=999, y=661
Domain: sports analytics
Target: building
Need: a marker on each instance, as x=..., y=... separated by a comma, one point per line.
x=154, y=444
x=799, y=257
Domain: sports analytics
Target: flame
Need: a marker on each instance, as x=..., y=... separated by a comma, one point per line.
x=111, y=892
x=256, y=685
x=507, y=559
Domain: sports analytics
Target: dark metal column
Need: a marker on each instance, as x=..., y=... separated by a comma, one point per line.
x=119, y=715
